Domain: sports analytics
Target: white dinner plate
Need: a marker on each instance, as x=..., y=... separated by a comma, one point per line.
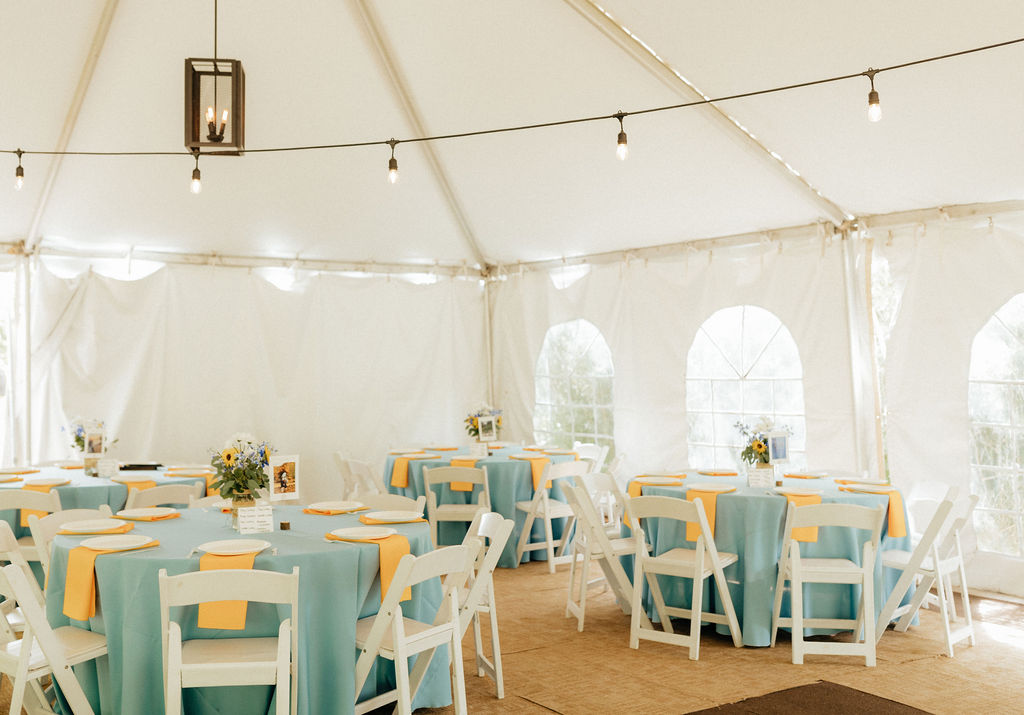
x=498, y=445
x=133, y=478
x=560, y=451
x=805, y=475
x=439, y=447
x=49, y=481
x=526, y=455
x=87, y=525
x=18, y=470
x=364, y=532
x=406, y=450
x=234, y=547
x=116, y=542
x=869, y=488
x=720, y=488
x=653, y=479
x=394, y=516
x=149, y=512
x=793, y=491
x=718, y=472
x=336, y=505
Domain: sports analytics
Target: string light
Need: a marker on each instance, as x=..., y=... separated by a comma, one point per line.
x=622, y=147
x=19, y=173
x=197, y=177
x=393, y=162
x=874, y=106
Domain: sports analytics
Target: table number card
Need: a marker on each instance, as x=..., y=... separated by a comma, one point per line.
x=107, y=468
x=761, y=478
x=255, y=519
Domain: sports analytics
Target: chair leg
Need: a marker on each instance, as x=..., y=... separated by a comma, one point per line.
x=920, y=597
x=524, y=537
x=730, y=611
x=550, y=539
x=946, y=618
x=796, y=598
x=570, y=601
x=499, y=679
x=455, y=652
x=659, y=602
x=966, y=603
x=478, y=645
x=780, y=584
x=585, y=573
x=696, y=613
x=635, y=605
x=404, y=705
x=868, y=616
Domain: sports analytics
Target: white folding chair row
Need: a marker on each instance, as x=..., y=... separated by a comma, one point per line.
x=44, y=529
x=699, y=563
x=438, y=477
x=800, y=570
x=546, y=508
x=209, y=662
x=592, y=453
x=37, y=501
x=164, y=494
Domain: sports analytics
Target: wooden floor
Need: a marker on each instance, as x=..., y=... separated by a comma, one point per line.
x=550, y=667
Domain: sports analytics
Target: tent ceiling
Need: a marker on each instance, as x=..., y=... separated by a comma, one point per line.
x=951, y=131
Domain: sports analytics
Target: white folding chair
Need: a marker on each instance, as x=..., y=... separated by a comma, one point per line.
x=698, y=564
x=365, y=478
x=438, y=477
x=43, y=651
x=937, y=565
x=215, y=500
x=210, y=662
x=165, y=494
x=13, y=621
x=800, y=570
x=593, y=543
x=607, y=497
x=392, y=635
x=346, y=480
x=592, y=453
x=544, y=507
x=43, y=530
x=392, y=502
x=37, y=501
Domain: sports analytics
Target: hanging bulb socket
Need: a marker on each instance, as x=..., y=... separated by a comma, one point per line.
x=19, y=173
x=874, y=105
x=392, y=162
x=197, y=177
x=622, y=146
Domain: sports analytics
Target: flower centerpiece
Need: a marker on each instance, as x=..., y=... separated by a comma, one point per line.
x=472, y=420
x=755, y=450
x=89, y=440
x=240, y=471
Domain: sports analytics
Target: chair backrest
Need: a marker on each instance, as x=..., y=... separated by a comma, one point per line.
x=593, y=453
x=562, y=470
x=164, y=494
x=365, y=478
x=599, y=484
x=26, y=499
x=346, y=480
x=393, y=501
x=37, y=628
x=640, y=509
x=949, y=537
x=850, y=516
x=496, y=529
x=43, y=530
x=446, y=475
x=9, y=551
x=214, y=500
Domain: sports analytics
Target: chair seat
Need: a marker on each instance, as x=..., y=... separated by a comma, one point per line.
x=557, y=509
x=412, y=629
x=620, y=547
x=684, y=559
x=28, y=548
x=203, y=660
x=15, y=619
x=456, y=512
x=824, y=568
x=899, y=559
x=79, y=646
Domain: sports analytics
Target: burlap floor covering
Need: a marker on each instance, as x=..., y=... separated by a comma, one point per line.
x=550, y=667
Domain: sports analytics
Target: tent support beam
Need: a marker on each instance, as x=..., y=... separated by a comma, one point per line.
x=377, y=38
x=642, y=53
x=89, y=66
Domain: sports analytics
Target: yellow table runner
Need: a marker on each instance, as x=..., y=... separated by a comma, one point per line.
x=400, y=469
x=392, y=549
x=121, y=529
x=80, y=580
x=804, y=533
x=163, y=517
x=225, y=615
x=333, y=512
x=41, y=488
x=462, y=462
x=897, y=520
x=710, y=501
x=537, y=465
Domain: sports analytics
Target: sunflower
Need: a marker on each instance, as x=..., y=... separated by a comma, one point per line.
x=759, y=446
x=229, y=456
x=266, y=454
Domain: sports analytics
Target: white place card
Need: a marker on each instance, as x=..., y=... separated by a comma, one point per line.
x=107, y=468
x=760, y=478
x=255, y=519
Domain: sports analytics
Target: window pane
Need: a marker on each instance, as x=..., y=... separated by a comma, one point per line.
x=698, y=395
x=582, y=390
x=543, y=390
x=604, y=421
x=726, y=396
x=602, y=390
x=757, y=396
x=702, y=428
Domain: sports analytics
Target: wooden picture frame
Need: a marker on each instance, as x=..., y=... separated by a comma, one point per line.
x=283, y=472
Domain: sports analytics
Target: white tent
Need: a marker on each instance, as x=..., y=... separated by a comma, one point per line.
x=783, y=201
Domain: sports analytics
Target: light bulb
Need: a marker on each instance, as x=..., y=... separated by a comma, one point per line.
x=874, y=107
x=622, y=150
x=19, y=178
x=197, y=183
x=393, y=170
x=209, y=115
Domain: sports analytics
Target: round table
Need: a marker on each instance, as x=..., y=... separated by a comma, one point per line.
x=338, y=584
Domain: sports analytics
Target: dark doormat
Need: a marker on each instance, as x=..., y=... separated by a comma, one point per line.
x=820, y=697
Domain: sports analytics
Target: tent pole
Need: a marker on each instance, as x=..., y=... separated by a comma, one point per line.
x=875, y=380
x=857, y=357
x=489, y=338
x=28, y=360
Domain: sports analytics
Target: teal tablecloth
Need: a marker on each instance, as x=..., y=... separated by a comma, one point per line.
x=338, y=583
x=749, y=522
x=509, y=481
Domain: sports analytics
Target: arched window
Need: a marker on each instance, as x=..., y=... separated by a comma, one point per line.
x=743, y=365
x=574, y=387
x=996, y=405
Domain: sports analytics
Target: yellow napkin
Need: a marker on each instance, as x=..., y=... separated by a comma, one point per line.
x=367, y=520
x=804, y=533
x=400, y=469
x=717, y=473
x=10, y=479
x=72, y=466
x=80, y=580
x=175, y=515
x=332, y=512
x=42, y=488
x=122, y=529
x=858, y=481
x=27, y=470
x=148, y=484
x=801, y=476
x=710, y=500
x=637, y=484
x=392, y=549
x=537, y=465
x=441, y=449
x=462, y=486
x=534, y=449
x=225, y=615
x=897, y=521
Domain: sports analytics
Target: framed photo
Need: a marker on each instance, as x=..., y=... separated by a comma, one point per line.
x=778, y=447
x=488, y=426
x=95, y=442
x=284, y=477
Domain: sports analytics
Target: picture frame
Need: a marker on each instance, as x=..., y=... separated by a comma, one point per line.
x=95, y=442
x=283, y=473
x=488, y=428
x=778, y=447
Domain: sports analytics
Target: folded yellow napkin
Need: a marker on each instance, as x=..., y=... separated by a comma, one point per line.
x=392, y=549
x=42, y=488
x=148, y=484
x=72, y=466
x=122, y=529
x=897, y=519
x=637, y=484
x=718, y=473
x=710, y=501
x=27, y=470
x=533, y=449
x=225, y=615
x=80, y=580
x=861, y=482
x=163, y=517
x=5, y=480
x=804, y=533
x=462, y=462
x=367, y=520
x=332, y=512
x=400, y=469
x=537, y=465
x=441, y=449
x=801, y=476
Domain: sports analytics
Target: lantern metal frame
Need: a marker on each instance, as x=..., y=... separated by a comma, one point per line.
x=195, y=127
